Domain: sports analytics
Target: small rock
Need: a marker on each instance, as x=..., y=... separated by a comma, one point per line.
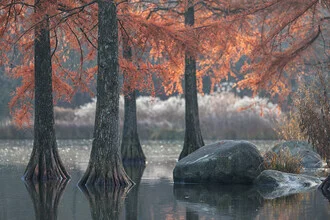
x=272, y=183
x=302, y=149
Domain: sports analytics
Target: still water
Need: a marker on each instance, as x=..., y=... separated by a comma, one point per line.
x=154, y=197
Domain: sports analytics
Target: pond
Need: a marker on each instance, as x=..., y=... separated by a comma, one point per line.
x=154, y=197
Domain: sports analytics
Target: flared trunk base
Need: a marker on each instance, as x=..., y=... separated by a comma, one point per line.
x=191, y=144
x=107, y=173
x=132, y=153
x=45, y=165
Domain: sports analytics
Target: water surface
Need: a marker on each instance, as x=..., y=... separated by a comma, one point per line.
x=155, y=197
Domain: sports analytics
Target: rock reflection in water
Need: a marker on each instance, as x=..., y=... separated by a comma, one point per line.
x=105, y=203
x=46, y=197
x=131, y=202
x=238, y=202
x=297, y=206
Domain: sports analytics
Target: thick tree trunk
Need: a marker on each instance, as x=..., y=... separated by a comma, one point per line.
x=46, y=197
x=45, y=163
x=131, y=150
x=193, y=136
x=132, y=201
x=105, y=164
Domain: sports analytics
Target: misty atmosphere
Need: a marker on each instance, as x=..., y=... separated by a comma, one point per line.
x=174, y=110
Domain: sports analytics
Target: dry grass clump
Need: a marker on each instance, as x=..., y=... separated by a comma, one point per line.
x=288, y=128
x=283, y=161
x=313, y=109
x=310, y=116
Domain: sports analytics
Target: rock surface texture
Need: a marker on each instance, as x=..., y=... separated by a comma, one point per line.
x=224, y=162
x=273, y=183
x=310, y=159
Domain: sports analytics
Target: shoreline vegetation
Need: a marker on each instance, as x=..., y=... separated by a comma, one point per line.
x=222, y=116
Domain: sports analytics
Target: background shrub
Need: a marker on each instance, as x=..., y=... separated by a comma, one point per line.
x=222, y=116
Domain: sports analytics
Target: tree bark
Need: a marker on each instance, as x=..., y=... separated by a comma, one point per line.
x=45, y=163
x=46, y=197
x=193, y=135
x=131, y=150
x=105, y=166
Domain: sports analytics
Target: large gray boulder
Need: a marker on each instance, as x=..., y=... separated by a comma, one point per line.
x=272, y=183
x=302, y=149
x=224, y=162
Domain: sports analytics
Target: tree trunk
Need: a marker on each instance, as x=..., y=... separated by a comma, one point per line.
x=193, y=136
x=131, y=150
x=105, y=165
x=45, y=163
x=46, y=197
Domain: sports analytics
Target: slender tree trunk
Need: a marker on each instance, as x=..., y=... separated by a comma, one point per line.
x=193, y=136
x=46, y=197
x=45, y=163
x=105, y=165
x=131, y=150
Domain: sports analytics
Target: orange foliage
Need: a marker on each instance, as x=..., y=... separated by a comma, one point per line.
x=17, y=30
x=288, y=35
x=155, y=31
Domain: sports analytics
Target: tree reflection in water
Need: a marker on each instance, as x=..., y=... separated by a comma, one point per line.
x=191, y=215
x=105, y=203
x=131, y=202
x=45, y=197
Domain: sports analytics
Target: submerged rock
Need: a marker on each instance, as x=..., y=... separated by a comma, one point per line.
x=223, y=162
x=272, y=183
x=302, y=149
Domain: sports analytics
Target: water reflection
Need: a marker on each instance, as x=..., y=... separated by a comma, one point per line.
x=105, y=203
x=46, y=197
x=191, y=214
x=296, y=206
x=131, y=202
x=151, y=199
x=239, y=202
